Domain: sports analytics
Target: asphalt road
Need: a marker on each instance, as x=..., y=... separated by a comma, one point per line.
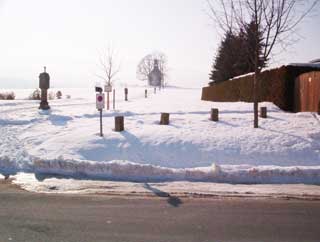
x=35, y=217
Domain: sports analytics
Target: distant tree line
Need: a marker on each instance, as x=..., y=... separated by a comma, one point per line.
x=236, y=54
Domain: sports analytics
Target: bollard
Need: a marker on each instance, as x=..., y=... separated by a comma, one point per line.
x=263, y=112
x=215, y=114
x=126, y=94
x=114, y=99
x=108, y=100
x=146, y=93
x=164, y=118
x=119, y=123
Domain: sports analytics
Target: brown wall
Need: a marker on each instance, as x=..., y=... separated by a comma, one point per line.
x=307, y=92
x=276, y=85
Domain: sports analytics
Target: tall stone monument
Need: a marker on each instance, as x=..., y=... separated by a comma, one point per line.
x=44, y=85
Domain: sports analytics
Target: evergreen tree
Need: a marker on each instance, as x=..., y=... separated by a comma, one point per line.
x=250, y=33
x=236, y=54
x=226, y=59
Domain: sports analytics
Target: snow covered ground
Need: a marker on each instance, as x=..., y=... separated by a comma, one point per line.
x=65, y=140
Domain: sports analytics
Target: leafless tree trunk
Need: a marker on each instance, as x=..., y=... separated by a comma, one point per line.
x=109, y=66
x=277, y=20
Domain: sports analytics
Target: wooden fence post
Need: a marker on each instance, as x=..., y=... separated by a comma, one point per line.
x=319, y=107
x=114, y=99
x=263, y=112
x=215, y=114
x=118, y=123
x=108, y=101
x=165, y=119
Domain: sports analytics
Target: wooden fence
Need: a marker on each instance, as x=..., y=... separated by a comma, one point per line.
x=307, y=92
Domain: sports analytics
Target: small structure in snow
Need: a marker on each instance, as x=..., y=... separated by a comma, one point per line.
x=165, y=119
x=155, y=76
x=44, y=85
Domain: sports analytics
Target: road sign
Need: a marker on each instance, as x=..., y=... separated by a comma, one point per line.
x=108, y=88
x=100, y=101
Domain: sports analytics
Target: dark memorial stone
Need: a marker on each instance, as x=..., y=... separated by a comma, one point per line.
x=44, y=85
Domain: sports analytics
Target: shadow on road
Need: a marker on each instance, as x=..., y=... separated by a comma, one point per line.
x=172, y=200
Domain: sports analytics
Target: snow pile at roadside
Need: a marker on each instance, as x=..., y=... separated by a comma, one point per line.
x=128, y=171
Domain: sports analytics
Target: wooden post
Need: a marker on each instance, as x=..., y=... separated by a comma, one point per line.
x=263, y=112
x=126, y=94
x=101, y=132
x=319, y=107
x=108, y=101
x=118, y=123
x=164, y=118
x=215, y=114
x=114, y=99
x=146, y=93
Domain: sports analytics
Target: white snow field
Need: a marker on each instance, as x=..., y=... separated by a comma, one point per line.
x=65, y=141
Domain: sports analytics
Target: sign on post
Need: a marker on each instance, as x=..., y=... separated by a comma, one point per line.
x=100, y=101
x=100, y=105
x=108, y=88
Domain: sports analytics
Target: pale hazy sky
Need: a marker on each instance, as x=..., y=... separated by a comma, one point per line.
x=67, y=35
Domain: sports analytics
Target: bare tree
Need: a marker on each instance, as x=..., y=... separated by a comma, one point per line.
x=146, y=65
x=276, y=20
x=109, y=66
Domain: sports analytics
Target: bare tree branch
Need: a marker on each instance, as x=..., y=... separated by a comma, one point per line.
x=109, y=66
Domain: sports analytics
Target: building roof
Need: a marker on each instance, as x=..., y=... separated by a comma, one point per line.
x=315, y=61
x=313, y=64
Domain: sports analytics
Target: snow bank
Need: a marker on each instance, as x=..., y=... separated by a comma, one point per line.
x=122, y=170
x=128, y=171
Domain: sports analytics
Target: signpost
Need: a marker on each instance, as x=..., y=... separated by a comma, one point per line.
x=108, y=89
x=100, y=100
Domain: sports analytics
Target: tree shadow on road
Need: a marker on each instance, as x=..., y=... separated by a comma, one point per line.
x=172, y=200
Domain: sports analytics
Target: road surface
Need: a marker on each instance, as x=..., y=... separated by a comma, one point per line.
x=37, y=217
